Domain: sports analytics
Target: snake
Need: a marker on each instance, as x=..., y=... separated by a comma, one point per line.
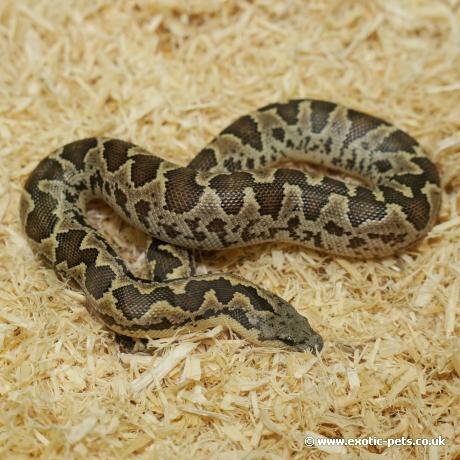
x=233, y=193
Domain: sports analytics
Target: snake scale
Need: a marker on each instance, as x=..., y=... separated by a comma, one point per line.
x=230, y=195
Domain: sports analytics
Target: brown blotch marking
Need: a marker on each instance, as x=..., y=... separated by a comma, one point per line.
x=142, y=209
x=218, y=226
x=133, y=303
x=328, y=146
x=69, y=250
x=334, y=229
x=363, y=207
x=121, y=199
x=247, y=234
x=387, y=238
x=166, y=262
x=398, y=140
x=75, y=152
x=40, y=222
x=230, y=190
x=237, y=314
x=98, y=280
x=356, y=242
x=96, y=181
x=116, y=153
x=71, y=197
x=246, y=129
x=308, y=235
x=47, y=169
x=430, y=173
x=416, y=182
x=319, y=114
x=204, y=160
x=292, y=226
x=144, y=169
x=182, y=192
x=416, y=209
x=316, y=197
x=361, y=124
x=171, y=231
x=289, y=111
x=270, y=197
x=231, y=165
x=193, y=225
x=400, y=239
x=278, y=134
x=351, y=161
x=382, y=166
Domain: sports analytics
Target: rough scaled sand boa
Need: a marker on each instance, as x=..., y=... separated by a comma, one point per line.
x=229, y=196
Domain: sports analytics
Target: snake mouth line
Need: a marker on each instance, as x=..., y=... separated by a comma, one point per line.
x=313, y=345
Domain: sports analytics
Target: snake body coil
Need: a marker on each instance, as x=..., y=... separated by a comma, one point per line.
x=229, y=196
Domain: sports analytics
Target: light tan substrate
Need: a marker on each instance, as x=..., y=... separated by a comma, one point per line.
x=169, y=75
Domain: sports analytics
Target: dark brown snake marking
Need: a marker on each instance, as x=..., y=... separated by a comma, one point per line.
x=229, y=196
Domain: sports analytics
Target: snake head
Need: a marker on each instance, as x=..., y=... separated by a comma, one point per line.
x=312, y=342
x=299, y=336
x=287, y=328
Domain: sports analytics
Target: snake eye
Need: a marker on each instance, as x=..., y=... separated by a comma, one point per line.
x=288, y=340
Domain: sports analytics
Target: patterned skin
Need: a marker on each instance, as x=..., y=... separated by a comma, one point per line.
x=230, y=195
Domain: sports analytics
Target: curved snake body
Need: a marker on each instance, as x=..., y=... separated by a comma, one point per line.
x=229, y=196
